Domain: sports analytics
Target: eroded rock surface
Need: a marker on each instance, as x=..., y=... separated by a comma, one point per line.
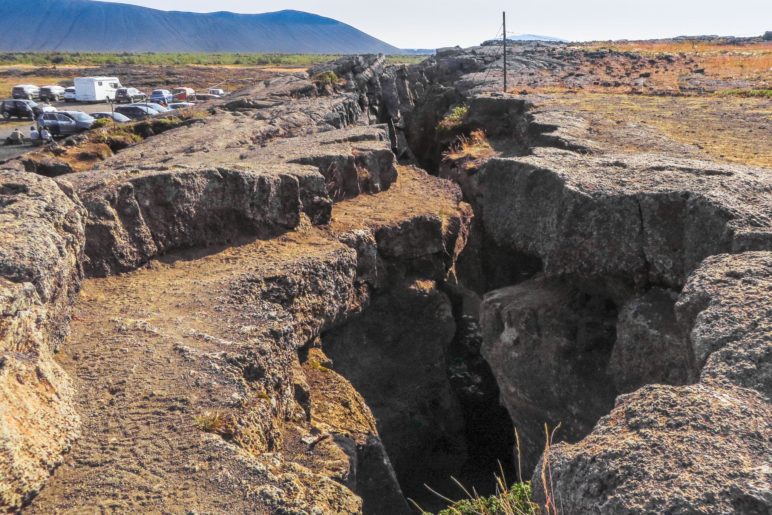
x=649, y=347
x=632, y=227
x=549, y=346
x=642, y=219
x=41, y=247
x=692, y=449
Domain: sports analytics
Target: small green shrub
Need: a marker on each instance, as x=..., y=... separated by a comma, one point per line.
x=326, y=79
x=454, y=119
x=102, y=122
x=516, y=500
x=214, y=422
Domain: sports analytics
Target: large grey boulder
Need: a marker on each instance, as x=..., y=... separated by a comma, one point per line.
x=640, y=219
x=664, y=449
x=548, y=345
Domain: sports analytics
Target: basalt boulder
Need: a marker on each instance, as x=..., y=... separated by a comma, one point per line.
x=664, y=449
x=637, y=219
x=548, y=345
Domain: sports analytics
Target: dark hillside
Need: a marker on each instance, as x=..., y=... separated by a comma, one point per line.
x=84, y=25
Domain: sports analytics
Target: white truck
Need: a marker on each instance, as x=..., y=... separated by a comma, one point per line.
x=96, y=89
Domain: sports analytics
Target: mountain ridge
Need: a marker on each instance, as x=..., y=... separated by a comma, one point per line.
x=88, y=25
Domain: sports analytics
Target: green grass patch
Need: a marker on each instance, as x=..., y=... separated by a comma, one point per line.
x=454, y=119
x=515, y=500
x=326, y=79
x=180, y=58
x=747, y=93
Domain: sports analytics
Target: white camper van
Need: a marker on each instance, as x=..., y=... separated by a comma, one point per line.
x=96, y=89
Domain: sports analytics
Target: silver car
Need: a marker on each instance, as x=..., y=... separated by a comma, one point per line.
x=66, y=123
x=116, y=117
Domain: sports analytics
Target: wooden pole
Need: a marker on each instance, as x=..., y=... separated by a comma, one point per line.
x=505, y=50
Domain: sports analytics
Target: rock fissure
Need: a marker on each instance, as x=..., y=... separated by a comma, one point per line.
x=631, y=230
x=305, y=325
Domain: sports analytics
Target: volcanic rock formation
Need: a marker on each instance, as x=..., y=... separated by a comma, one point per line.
x=277, y=315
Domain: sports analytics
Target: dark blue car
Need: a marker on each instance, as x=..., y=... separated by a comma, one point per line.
x=161, y=96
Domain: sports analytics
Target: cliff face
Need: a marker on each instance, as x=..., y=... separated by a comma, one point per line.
x=311, y=226
x=40, y=271
x=623, y=269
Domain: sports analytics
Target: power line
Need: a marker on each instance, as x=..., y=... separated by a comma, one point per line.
x=504, y=39
x=495, y=38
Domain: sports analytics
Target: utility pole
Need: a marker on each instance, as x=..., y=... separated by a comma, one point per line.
x=505, y=50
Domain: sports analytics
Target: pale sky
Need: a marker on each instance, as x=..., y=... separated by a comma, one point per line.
x=431, y=24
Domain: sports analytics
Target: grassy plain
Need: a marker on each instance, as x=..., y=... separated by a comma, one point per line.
x=81, y=59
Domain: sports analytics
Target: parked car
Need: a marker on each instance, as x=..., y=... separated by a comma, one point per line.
x=206, y=96
x=26, y=91
x=69, y=95
x=66, y=123
x=180, y=105
x=183, y=94
x=216, y=91
x=24, y=109
x=129, y=95
x=135, y=112
x=161, y=96
x=152, y=105
x=116, y=117
x=51, y=93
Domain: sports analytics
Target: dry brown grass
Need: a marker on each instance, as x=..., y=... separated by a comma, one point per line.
x=213, y=422
x=725, y=127
x=653, y=47
x=722, y=60
x=473, y=147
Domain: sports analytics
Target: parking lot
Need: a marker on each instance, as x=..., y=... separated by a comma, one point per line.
x=7, y=127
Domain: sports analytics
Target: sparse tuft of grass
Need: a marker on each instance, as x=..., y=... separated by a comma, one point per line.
x=472, y=148
x=514, y=500
x=213, y=422
x=102, y=122
x=453, y=120
x=317, y=365
x=508, y=500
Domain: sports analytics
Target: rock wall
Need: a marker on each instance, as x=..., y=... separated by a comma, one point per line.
x=560, y=218
x=41, y=248
x=549, y=346
x=216, y=181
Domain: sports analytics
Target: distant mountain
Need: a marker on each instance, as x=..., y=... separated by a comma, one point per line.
x=89, y=26
x=534, y=37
